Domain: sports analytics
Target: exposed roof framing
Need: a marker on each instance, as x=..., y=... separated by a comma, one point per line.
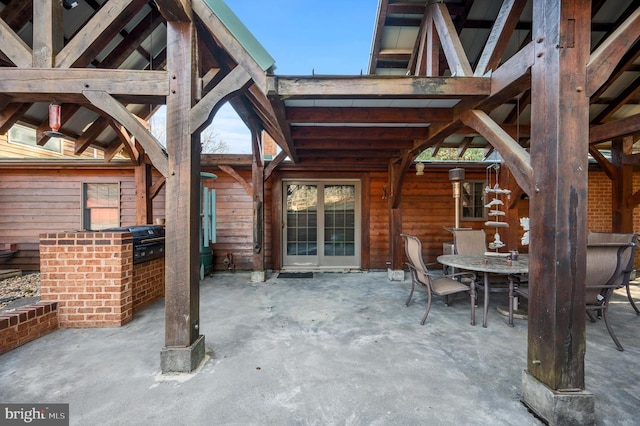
x=105, y=60
x=430, y=65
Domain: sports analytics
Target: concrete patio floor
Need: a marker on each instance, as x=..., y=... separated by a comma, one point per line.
x=336, y=349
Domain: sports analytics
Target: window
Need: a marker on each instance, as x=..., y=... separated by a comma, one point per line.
x=472, y=200
x=27, y=136
x=100, y=205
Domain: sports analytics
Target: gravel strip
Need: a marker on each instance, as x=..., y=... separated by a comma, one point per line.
x=15, y=288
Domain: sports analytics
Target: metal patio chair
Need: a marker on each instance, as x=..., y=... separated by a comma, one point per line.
x=420, y=276
x=607, y=266
x=627, y=260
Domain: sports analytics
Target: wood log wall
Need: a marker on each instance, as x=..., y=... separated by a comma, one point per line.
x=37, y=201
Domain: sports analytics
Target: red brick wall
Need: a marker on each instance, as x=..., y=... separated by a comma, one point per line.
x=26, y=324
x=90, y=275
x=148, y=282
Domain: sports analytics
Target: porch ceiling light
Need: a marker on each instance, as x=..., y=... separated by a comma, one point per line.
x=419, y=169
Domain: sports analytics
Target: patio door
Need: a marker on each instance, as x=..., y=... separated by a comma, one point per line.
x=321, y=224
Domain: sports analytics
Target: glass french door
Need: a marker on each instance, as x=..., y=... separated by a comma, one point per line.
x=321, y=224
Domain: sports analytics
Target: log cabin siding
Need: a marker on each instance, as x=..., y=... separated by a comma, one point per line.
x=37, y=200
x=234, y=221
x=44, y=200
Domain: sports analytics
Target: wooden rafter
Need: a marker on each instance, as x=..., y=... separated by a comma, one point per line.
x=175, y=10
x=97, y=33
x=16, y=50
x=234, y=174
x=451, y=44
x=113, y=108
x=516, y=157
x=231, y=84
x=368, y=115
x=499, y=38
x=606, y=57
x=613, y=129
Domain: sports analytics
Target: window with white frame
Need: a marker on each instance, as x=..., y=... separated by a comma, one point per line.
x=472, y=200
x=100, y=206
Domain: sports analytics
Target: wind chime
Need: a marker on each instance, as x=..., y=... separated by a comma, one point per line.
x=496, y=214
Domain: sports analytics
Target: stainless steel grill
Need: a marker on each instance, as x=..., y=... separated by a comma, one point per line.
x=148, y=241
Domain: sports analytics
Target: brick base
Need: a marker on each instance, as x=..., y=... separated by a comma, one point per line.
x=26, y=324
x=92, y=277
x=148, y=283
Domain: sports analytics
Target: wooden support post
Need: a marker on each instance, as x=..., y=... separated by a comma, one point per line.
x=257, y=171
x=144, y=201
x=621, y=186
x=553, y=385
x=184, y=346
x=395, y=271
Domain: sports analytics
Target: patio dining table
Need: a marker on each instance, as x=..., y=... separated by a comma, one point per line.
x=487, y=264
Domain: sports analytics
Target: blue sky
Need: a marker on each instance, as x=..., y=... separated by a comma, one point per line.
x=303, y=36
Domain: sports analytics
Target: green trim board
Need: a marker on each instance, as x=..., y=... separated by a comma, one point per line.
x=242, y=34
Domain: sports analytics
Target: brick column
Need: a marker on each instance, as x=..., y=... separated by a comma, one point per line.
x=90, y=275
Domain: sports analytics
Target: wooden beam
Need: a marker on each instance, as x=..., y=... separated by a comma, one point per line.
x=558, y=199
x=605, y=164
x=144, y=202
x=48, y=33
x=14, y=48
x=451, y=44
x=621, y=186
x=613, y=129
x=237, y=80
x=606, y=57
x=10, y=115
x=175, y=10
x=283, y=133
x=516, y=158
x=273, y=164
x=96, y=34
x=356, y=144
x=510, y=79
x=368, y=115
x=52, y=82
x=182, y=295
x=499, y=37
x=380, y=86
x=18, y=14
x=354, y=133
x=231, y=172
x=229, y=42
x=132, y=41
x=157, y=186
x=89, y=135
x=116, y=110
x=619, y=101
x=419, y=56
x=125, y=141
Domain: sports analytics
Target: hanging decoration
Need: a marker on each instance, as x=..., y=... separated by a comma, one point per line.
x=496, y=215
x=55, y=121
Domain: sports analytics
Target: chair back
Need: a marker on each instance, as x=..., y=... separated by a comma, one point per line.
x=470, y=242
x=628, y=253
x=609, y=258
x=413, y=249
